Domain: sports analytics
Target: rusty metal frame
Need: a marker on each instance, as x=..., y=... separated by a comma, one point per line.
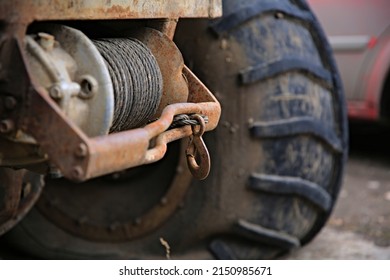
x=78, y=157
x=27, y=11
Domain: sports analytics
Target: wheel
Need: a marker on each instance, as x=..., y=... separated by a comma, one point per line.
x=277, y=156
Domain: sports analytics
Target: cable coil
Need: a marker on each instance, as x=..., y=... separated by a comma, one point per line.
x=136, y=78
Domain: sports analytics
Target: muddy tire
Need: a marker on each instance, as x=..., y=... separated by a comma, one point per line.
x=277, y=156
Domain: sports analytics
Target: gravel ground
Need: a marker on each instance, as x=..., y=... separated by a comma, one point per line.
x=360, y=225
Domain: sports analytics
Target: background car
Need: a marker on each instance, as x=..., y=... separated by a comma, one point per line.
x=359, y=33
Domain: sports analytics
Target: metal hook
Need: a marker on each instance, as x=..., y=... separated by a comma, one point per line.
x=197, y=147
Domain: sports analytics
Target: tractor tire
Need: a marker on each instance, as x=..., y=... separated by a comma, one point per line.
x=277, y=156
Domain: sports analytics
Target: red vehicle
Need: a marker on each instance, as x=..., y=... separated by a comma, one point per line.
x=359, y=33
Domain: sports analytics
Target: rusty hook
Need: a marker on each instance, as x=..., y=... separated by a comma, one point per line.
x=197, y=147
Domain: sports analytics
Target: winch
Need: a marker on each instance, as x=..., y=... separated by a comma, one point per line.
x=104, y=104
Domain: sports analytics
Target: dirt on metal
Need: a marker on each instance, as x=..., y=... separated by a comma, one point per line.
x=27, y=11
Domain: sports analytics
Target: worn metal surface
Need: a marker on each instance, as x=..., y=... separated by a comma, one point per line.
x=75, y=75
x=19, y=190
x=126, y=220
x=101, y=155
x=166, y=26
x=170, y=61
x=26, y=11
x=10, y=190
x=106, y=154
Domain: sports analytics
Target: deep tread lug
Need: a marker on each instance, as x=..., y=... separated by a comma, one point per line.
x=285, y=64
x=221, y=250
x=297, y=126
x=285, y=185
x=255, y=9
x=267, y=236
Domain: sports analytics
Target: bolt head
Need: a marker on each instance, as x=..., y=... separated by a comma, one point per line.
x=56, y=92
x=81, y=151
x=77, y=172
x=46, y=41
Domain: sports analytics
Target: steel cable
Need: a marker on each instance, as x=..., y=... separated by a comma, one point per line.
x=136, y=78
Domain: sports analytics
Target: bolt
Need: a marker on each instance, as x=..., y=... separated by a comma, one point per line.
x=6, y=126
x=46, y=41
x=81, y=150
x=78, y=172
x=56, y=92
x=10, y=102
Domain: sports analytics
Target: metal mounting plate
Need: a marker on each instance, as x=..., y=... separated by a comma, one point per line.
x=27, y=11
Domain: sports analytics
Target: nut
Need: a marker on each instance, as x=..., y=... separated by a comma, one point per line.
x=46, y=41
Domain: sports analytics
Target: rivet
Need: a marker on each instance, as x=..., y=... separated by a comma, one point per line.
x=81, y=150
x=77, y=172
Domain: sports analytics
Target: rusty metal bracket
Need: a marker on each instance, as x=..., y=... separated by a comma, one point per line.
x=27, y=11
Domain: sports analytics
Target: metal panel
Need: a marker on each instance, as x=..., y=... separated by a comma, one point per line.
x=29, y=10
